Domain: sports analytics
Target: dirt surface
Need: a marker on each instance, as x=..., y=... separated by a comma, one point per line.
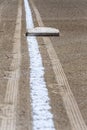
x=24, y=109
x=8, y=16
x=70, y=17
x=7, y=27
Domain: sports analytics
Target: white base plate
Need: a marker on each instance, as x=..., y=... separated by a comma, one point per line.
x=42, y=31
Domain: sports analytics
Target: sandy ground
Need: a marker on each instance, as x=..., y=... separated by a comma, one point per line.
x=8, y=16
x=70, y=17
x=7, y=27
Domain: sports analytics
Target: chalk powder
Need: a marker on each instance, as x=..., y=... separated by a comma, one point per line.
x=42, y=117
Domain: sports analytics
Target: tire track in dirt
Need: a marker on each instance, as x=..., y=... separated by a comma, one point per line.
x=10, y=102
x=73, y=112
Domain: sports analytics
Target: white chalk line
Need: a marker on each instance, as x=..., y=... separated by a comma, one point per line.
x=72, y=109
x=42, y=117
x=9, y=107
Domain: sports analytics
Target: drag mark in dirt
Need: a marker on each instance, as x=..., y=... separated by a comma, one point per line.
x=73, y=112
x=42, y=117
x=8, y=108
